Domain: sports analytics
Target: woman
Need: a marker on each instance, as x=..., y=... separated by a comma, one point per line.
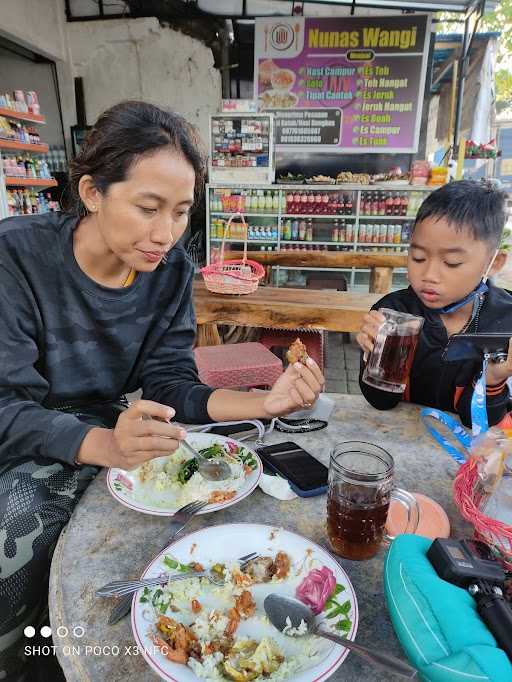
x=97, y=303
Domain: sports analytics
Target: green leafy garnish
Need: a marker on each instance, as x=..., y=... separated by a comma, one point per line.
x=171, y=563
x=344, y=625
x=144, y=597
x=247, y=457
x=187, y=470
x=334, y=609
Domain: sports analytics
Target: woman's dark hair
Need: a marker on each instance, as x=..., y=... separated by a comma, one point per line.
x=477, y=206
x=121, y=136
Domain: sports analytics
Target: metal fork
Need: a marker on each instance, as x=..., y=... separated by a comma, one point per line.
x=119, y=588
x=124, y=605
x=178, y=521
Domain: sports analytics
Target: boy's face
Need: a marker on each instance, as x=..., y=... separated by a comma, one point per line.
x=445, y=265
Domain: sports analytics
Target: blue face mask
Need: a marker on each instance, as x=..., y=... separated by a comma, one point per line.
x=480, y=289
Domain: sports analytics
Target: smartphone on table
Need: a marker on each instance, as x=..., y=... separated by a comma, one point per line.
x=306, y=474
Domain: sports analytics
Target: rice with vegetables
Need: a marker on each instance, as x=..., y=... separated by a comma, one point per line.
x=221, y=632
x=177, y=476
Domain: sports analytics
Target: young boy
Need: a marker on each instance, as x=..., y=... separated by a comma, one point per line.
x=454, y=247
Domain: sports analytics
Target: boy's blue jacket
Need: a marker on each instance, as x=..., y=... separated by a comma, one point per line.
x=432, y=382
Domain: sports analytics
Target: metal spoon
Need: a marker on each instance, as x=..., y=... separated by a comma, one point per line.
x=210, y=469
x=278, y=608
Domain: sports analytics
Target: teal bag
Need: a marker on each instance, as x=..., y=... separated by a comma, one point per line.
x=436, y=622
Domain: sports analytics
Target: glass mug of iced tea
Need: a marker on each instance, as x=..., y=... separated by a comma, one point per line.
x=360, y=490
x=390, y=361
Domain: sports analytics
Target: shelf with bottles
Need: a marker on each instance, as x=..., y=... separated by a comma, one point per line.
x=236, y=230
x=318, y=229
x=384, y=233
x=382, y=204
x=246, y=201
x=319, y=202
x=25, y=167
x=27, y=202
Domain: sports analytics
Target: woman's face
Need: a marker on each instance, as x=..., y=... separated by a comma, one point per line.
x=141, y=218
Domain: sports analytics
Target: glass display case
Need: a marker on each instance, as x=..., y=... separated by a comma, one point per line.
x=241, y=148
x=315, y=218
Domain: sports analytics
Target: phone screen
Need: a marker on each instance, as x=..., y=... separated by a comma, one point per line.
x=295, y=464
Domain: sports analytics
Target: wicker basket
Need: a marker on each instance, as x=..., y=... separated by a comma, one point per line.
x=496, y=534
x=233, y=276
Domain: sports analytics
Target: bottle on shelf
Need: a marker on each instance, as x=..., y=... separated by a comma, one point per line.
x=309, y=230
x=389, y=204
x=335, y=231
x=397, y=204
x=404, y=204
x=382, y=204
x=302, y=230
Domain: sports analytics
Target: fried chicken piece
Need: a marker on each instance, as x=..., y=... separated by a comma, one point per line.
x=178, y=642
x=281, y=565
x=245, y=605
x=297, y=352
x=233, y=622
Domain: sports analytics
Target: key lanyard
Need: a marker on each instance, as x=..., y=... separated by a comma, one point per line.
x=479, y=420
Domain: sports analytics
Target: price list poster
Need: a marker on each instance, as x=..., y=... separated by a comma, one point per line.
x=347, y=84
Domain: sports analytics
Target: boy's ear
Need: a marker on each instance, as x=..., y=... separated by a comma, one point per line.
x=499, y=263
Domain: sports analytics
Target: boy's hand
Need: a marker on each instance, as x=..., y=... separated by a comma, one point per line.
x=498, y=372
x=366, y=337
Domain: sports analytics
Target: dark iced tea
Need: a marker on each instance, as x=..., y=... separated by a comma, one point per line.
x=392, y=356
x=397, y=358
x=355, y=531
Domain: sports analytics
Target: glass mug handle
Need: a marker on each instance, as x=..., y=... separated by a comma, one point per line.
x=380, y=339
x=413, y=511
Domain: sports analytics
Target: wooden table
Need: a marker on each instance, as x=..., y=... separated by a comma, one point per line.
x=105, y=541
x=281, y=308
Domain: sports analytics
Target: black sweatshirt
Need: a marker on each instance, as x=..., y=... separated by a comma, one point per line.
x=445, y=385
x=65, y=339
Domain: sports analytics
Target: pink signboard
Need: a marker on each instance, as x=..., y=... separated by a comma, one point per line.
x=350, y=84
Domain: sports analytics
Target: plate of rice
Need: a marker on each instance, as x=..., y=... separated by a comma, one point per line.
x=195, y=629
x=164, y=484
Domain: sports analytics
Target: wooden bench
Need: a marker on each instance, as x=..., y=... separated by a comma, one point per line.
x=279, y=307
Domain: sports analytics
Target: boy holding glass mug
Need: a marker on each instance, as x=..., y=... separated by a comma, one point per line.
x=454, y=248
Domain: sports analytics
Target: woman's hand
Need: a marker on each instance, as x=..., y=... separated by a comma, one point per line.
x=298, y=387
x=372, y=321
x=142, y=432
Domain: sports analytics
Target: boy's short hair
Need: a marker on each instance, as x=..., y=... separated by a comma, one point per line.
x=469, y=204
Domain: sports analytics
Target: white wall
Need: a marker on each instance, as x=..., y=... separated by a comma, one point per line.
x=139, y=59
x=36, y=24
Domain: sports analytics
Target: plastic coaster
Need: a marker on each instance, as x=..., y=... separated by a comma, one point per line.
x=433, y=523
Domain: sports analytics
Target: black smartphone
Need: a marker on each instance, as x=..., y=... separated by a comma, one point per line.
x=307, y=476
x=474, y=346
x=236, y=430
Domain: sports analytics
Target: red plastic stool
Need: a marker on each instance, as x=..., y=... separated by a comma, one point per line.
x=279, y=339
x=237, y=364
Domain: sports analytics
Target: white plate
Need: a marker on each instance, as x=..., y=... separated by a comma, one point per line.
x=225, y=543
x=126, y=488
